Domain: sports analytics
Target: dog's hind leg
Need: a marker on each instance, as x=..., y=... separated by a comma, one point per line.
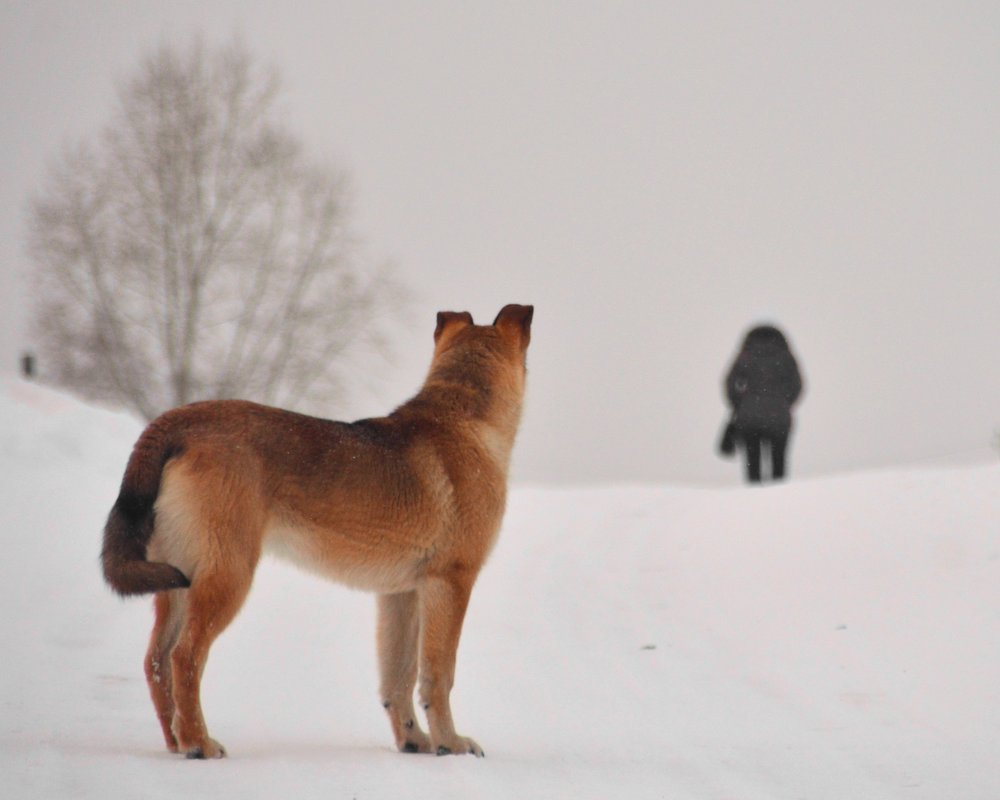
x=213, y=601
x=398, y=636
x=170, y=609
x=443, y=601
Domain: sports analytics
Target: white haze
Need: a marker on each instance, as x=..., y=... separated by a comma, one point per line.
x=653, y=177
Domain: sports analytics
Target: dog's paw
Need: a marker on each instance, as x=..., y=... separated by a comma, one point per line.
x=416, y=741
x=459, y=745
x=211, y=749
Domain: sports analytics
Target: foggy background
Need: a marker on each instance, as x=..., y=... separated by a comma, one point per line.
x=653, y=177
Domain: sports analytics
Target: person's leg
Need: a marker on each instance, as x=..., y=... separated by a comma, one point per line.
x=778, y=463
x=751, y=442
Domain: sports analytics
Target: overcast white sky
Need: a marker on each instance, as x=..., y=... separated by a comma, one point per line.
x=654, y=177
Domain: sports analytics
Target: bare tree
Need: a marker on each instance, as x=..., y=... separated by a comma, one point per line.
x=192, y=251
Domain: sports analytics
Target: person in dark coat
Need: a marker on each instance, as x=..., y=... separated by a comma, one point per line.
x=762, y=386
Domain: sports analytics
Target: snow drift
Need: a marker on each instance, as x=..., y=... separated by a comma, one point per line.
x=835, y=638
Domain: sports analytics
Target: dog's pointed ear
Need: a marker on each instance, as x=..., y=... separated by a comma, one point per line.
x=516, y=318
x=446, y=319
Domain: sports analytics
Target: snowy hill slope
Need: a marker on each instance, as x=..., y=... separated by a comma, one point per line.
x=835, y=638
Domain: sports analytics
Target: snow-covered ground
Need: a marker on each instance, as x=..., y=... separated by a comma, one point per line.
x=835, y=638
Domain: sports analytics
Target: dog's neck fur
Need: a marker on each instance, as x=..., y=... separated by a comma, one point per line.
x=489, y=411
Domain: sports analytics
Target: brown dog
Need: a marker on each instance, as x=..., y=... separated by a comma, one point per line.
x=407, y=506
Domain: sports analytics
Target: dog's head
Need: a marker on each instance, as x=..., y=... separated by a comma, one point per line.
x=510, y=331
x=486, y=359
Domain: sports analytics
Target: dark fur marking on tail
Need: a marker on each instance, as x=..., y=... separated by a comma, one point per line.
x=130, y=527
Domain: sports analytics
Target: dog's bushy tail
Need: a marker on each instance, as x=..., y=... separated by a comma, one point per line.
x=130, y=523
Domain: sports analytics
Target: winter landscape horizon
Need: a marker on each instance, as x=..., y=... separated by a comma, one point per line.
x=654, y=177
x=835, y=637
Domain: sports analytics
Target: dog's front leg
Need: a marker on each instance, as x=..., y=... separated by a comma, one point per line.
x=443, y=600
x=398, y=636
